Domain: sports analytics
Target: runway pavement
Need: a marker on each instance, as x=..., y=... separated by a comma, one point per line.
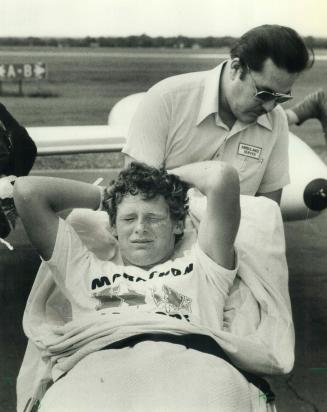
x=304, y=390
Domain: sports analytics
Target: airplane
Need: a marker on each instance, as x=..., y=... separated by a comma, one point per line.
x=304, y=197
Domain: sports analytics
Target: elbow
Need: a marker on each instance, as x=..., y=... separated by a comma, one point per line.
x=225, y=181
x=22, y=186
x=231, y=177
x=23, y=192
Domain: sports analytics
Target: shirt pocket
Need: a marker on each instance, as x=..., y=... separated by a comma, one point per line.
x=250, y=172
x=248, y=165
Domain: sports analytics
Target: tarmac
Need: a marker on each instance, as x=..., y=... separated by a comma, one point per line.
x=303, y=390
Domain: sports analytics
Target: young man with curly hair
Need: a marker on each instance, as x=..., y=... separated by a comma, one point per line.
x=147, y=209
x=143, y=326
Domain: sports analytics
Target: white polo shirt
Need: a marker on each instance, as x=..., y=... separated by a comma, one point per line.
x=178, y=123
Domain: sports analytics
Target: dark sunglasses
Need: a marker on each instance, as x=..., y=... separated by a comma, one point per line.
x=265, y=96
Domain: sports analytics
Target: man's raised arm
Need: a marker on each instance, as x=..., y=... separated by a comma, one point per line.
x=219, y=182
x=38, y=199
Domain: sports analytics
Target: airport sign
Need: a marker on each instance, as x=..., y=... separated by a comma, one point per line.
x=23, y=71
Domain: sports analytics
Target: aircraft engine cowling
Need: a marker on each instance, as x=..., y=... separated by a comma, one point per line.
x=306, y=195
x=122, y=112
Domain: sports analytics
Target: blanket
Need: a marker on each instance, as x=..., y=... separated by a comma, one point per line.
x=258, y=333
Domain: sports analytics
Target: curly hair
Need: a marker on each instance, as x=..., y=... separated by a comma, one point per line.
x=149, y=182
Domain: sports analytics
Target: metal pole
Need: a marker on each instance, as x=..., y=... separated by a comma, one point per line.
x=20, y=87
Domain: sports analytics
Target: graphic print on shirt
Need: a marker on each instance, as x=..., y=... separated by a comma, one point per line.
x=122, y=291
x=115, y=296
x=162, y=299
x=171, y=301
x=135, y=278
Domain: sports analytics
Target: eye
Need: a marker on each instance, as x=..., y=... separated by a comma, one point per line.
x=155, y=219
x=128, y=219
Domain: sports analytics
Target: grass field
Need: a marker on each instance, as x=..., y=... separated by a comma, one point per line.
x=84, y=84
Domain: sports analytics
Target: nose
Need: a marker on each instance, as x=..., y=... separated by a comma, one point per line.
x=269, y=106
x=140, y=226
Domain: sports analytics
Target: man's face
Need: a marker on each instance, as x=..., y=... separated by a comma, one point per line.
x=145, y=231
x=244, y=106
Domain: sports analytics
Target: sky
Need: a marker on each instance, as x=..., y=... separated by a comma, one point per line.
x=198, y=18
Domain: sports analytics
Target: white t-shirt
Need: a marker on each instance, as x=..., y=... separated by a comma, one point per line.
x=192, y=288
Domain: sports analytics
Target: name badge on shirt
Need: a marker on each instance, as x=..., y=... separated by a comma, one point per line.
x=250, y=151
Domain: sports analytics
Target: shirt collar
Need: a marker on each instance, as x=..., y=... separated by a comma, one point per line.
x=210, y=99
x=209, y=103
x=265, y=121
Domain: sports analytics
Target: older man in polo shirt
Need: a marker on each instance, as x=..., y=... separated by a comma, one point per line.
x=230, y=113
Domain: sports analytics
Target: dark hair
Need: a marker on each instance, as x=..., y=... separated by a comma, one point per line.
x=17, y=149
x=149, y=182
x=281, y=44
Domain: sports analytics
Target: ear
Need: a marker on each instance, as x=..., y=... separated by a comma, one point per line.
x=236, y=69
x=179, y=227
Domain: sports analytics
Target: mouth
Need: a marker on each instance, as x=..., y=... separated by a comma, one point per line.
x=141, y=241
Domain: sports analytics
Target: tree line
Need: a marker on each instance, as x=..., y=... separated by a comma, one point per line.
x=138, y=41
